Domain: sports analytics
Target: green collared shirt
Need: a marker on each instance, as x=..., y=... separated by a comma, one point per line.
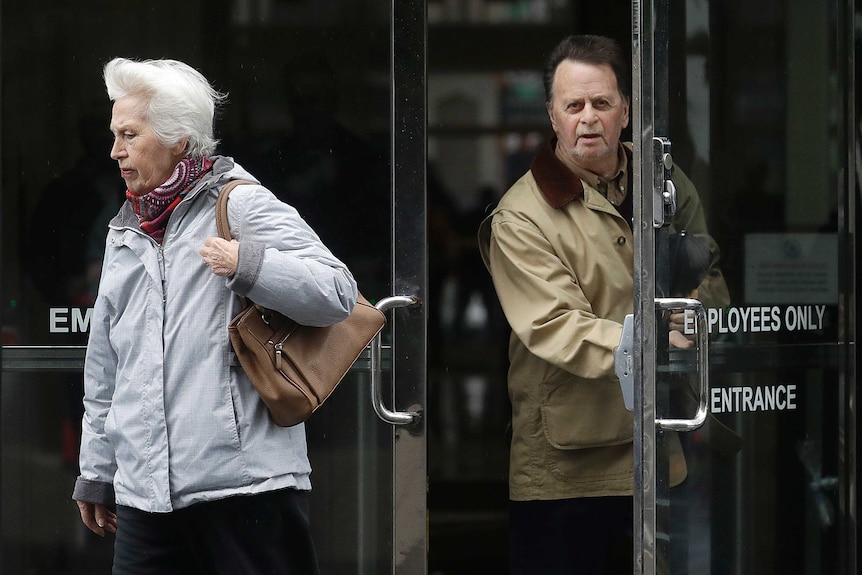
x=615, y=188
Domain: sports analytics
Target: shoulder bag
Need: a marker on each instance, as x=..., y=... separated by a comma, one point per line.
x=294, y=367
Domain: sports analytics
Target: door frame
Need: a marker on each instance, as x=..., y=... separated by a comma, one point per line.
x=643, y=124
x=650, y=49
x=409, y=278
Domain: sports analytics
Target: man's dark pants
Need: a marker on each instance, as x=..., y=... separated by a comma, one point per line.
x=583, y=536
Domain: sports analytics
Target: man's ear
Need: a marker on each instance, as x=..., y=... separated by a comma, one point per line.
x=549, y=106
x=627, y=104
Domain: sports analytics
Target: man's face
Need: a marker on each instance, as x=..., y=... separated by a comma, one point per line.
x=588, y=113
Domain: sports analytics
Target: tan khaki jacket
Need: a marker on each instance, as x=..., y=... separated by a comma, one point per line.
x=561, y=259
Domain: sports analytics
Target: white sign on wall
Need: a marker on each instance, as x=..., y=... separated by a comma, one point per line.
x=791, y=268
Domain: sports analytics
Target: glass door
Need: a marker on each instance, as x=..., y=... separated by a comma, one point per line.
x=745, y=428
x=326, y=107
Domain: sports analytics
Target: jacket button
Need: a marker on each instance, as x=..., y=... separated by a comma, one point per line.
x=621, y=240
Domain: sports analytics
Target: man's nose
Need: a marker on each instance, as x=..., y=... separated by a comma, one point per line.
x=588, y=114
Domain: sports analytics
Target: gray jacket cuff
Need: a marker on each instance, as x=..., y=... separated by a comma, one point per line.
x=248, y=267
x=93, y=491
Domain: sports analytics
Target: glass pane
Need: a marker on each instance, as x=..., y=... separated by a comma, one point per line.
x=308, y=113
x=486, y=122
x=760, y=128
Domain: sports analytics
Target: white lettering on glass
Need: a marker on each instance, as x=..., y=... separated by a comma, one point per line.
x=57, y=319
x=759, y=319
x=65, y=320
x=760, y=398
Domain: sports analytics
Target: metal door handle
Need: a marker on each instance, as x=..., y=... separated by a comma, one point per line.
x=392, y=417
x=702, y=363
x=624, y=362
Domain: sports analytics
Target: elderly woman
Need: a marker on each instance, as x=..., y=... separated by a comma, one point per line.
x=174, y=433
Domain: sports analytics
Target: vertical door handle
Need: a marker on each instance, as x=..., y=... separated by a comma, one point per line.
x=699, y=419
x=392, y=417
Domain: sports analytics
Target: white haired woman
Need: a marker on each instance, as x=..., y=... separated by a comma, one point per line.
x=174, y=434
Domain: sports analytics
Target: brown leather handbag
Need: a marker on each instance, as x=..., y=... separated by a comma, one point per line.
x=295, y=367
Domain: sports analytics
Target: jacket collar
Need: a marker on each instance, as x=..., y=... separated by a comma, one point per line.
x=557, y=182
x=224, y=169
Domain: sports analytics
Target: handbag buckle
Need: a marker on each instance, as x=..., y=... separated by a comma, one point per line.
x=278, y=354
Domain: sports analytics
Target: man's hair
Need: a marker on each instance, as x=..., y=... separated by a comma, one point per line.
x=589, y=49
x=180, y=101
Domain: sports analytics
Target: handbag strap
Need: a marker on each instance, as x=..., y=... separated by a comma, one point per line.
x=221, y=207
x=221, y=218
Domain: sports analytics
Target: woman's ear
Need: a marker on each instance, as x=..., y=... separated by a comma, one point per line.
x=181, y=148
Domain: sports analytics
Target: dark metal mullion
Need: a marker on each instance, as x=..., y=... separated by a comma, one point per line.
x=644, y=289
x=409, y=278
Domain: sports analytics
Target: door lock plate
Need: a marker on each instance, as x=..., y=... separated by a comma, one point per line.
x=624, y=362
x=664, y=190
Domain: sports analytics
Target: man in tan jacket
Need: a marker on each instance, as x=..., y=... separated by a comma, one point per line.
x=559, y=247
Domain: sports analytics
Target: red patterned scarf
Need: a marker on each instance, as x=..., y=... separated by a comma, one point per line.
x=155, y=208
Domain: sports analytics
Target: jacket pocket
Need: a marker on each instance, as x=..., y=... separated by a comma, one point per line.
x=579, y=413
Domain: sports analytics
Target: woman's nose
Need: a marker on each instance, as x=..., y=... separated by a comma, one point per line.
x=117, y=150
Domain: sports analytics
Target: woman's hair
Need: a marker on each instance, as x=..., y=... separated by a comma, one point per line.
x=589, y=49
x=180, y=101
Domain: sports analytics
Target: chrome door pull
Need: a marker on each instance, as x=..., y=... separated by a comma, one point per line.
x=699, y=419
x=392, y=417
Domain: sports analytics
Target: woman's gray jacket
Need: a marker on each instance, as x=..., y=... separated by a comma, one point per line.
x=170, y=418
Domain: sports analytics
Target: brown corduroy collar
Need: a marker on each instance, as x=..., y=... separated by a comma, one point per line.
x=559, y=184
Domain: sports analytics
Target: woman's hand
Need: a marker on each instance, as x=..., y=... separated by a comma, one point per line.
x=221, y=256
x=97, y=518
